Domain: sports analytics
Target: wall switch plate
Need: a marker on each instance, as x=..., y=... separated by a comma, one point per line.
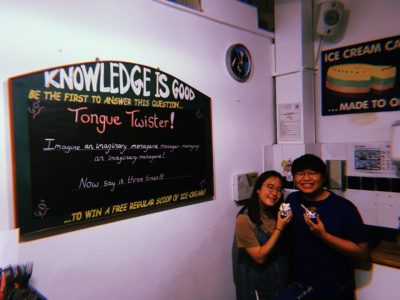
x=243, y=185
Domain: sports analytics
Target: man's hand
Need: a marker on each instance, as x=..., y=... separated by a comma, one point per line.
x=317, y=228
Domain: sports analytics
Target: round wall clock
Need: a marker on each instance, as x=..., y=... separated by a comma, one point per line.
x=238, y=62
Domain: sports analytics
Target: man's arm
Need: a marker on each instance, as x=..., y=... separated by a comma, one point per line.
x=358, y=251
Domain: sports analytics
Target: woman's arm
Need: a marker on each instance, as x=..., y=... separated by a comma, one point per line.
x=260, y=253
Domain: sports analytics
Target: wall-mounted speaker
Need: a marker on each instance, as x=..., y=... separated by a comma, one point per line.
x=330, y=20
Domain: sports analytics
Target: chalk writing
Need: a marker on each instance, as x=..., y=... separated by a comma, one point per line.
x=35, y=108
x=158, y=150
x=125, y=207
x=41, y=209
x=101, y=121
x=117, y=78
x=86, y=183
x=137, y=120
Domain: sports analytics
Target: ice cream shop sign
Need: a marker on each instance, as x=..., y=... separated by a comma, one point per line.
x=361, y=78
x=100, y=141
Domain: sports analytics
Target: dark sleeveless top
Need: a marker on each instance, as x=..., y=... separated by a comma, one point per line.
x=268, y=278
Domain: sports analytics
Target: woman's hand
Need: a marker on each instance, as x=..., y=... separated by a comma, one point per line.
x=281, y=222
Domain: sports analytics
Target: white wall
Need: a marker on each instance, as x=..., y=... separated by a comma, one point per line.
x=380, y=283
x=183, y=253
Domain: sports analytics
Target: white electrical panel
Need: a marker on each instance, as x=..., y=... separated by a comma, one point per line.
x=243, y=185
x=370, y=159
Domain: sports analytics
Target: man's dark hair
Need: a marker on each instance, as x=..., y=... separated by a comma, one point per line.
x=309, y=162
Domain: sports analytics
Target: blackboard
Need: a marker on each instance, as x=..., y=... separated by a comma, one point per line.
x=97, y=142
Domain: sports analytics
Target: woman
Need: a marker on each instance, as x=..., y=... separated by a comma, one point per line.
x=263, y=266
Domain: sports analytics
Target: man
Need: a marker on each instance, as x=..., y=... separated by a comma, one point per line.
x=325, y=248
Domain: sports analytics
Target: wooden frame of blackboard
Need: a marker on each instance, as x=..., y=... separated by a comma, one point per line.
x=107, y=140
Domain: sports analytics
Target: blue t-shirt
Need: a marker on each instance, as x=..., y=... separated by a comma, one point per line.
x=313, y=261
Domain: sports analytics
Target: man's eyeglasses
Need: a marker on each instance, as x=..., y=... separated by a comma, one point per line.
x=310, y=173
x=271, y=188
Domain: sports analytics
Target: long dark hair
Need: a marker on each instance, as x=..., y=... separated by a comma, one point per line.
x=253, y=205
